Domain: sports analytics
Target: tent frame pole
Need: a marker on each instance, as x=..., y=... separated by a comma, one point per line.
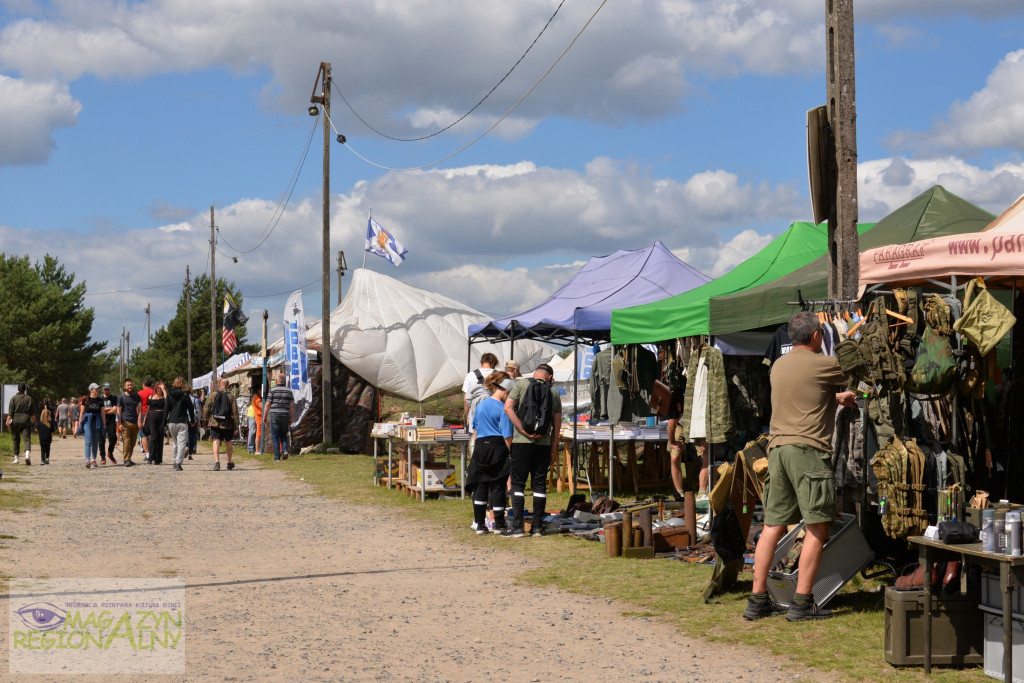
x=575, y=408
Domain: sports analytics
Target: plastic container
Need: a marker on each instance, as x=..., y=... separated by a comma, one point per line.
x=988, y=538
x=994, y=647
x=846, y=552
x=957, y=629
x=1013, y=533
x=999, y=531
x=992, y=597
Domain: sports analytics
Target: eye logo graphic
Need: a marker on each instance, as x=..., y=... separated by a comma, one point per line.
x=42, y=616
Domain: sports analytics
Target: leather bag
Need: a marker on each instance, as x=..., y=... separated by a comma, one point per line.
x=661, y=398
x=985, y=321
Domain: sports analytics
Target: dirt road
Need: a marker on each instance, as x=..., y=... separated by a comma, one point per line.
x=282, y=584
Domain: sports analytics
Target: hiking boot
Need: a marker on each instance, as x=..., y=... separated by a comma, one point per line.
x=761, y=609
x=513, y=532
x=177, y=468
x=216, y=467
x=537, y=530
x=129, y=464
x=231, y=465
x=807, y=611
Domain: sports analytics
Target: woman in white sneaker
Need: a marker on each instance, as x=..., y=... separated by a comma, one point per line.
x=92, y=427
x=488, y=470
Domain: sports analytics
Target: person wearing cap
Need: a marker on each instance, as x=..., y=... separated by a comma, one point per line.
x=21, y=415
x=92, y=425
x=531, y=454
x=109, y=424
x=128, y=417
x=488, y=470
x=512, y=369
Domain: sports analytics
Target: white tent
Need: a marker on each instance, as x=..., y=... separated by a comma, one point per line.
x=235, y=361
x=409, y=341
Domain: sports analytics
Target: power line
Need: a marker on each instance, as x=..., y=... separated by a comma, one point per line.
x=282, y=203
x=137, y=289
x=471, y=110
x=287, y=291
x=493, y=125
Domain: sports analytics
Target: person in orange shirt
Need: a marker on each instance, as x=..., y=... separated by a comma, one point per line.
x=255, y=420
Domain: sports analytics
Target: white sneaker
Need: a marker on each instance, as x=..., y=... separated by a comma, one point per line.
x=15, y=461
x=471, y=526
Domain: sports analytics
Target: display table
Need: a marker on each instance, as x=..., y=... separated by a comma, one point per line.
x=421, y=488
x=647, y=469
x=1011, y=574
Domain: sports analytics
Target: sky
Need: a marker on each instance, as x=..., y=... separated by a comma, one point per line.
x=580, y=128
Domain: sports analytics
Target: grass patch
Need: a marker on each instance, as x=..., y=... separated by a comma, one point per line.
x=849, y=646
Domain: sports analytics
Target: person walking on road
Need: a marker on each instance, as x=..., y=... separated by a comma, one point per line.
x=92, y=427
x=45, y=426
x=128, y=417
x=279, y=413
x=109, y=423
x=75, y=416
x=154, y=420
x=806, y=386
x=221, y=412
x=63, y=418
x=180, y=416
x=21, y=415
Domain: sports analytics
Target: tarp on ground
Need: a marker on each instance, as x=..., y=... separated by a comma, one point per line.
x=997, y=254
x=934, y=213
x=409, y=341
x=583, y=306
x=686, y=314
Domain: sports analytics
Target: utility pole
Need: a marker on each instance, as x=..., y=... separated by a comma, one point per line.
x=324, y=99
x=147, y=326
x=188, y=320
x=213, y=304
x=843, y=244
x=263, y=383
x=342, y=267
x=120, y=365
x=127, y=355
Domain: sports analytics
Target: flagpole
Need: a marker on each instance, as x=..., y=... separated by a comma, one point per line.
x=369, y=218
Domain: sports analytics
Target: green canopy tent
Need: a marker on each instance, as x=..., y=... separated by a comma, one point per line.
x=934, y=213
x=686, y=314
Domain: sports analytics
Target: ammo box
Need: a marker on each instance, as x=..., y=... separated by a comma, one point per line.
x=958, y=628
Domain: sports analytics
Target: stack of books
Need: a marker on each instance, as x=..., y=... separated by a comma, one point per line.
x=460, y=434
x=443, y=435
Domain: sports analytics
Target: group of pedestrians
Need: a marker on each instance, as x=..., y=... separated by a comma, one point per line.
x=515, y=438
x=150, y=415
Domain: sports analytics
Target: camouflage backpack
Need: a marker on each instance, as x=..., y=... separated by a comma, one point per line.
x=935, y=365
x=869, y=357
x=899, y=469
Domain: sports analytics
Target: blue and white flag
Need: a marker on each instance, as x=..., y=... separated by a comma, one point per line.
x=382, y=243
x=296, y=360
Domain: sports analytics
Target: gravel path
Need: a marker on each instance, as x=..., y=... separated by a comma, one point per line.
x=282, y=584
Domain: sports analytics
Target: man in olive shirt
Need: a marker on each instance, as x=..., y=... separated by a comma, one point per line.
x=801, y=483
x=21, y=415
x=531, y=454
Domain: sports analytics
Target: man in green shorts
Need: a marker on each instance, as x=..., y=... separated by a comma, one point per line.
x=800, y=484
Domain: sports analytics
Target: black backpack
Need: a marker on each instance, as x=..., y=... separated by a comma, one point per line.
x=534, y=409
x=222, y=408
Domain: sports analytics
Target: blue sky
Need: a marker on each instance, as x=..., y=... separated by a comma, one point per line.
x=677, y=120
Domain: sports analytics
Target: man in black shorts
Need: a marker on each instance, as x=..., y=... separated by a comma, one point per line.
x=221, y=414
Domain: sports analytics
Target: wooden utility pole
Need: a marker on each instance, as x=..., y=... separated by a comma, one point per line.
x=188, y=320
x=843, y=245
x=213, y=303
x=127, y=355
x=324, y=100
x=342, y=267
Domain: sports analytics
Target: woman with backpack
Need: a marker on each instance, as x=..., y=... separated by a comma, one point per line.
x=488, y=470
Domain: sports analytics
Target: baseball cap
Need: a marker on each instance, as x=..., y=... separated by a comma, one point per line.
x=507, y=384
x=93, y=386
x=106, y=385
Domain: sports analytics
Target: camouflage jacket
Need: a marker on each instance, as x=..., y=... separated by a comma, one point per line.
x=719, y=413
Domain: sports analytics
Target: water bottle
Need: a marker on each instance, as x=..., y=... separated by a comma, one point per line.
x=988, y=537
x=999, y=531
x=1013, y=534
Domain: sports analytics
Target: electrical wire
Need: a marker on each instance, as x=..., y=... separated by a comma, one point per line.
x=494, y=125
x=137, y=289
x=282, y=203
x=287, y=291
x=472, y=109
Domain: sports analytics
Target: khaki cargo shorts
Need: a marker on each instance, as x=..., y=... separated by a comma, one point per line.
x=800, y=485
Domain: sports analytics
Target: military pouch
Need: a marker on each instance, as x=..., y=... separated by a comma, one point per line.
x=985, y=321
x=934, y=367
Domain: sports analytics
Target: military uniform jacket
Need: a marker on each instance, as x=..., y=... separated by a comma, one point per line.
x=719, y=413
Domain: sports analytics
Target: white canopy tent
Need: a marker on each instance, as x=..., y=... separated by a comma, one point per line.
x=409, y=341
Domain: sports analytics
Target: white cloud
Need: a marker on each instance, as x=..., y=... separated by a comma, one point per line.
x=992, y=117
x=30, y=111
x=887, y=184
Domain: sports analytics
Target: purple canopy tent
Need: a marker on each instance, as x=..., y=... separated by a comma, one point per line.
x=582, y=309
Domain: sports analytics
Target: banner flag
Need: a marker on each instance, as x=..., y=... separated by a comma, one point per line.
x=382, y=243
x=295, y=349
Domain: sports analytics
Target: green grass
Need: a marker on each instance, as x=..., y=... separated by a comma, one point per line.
x=849, y=646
